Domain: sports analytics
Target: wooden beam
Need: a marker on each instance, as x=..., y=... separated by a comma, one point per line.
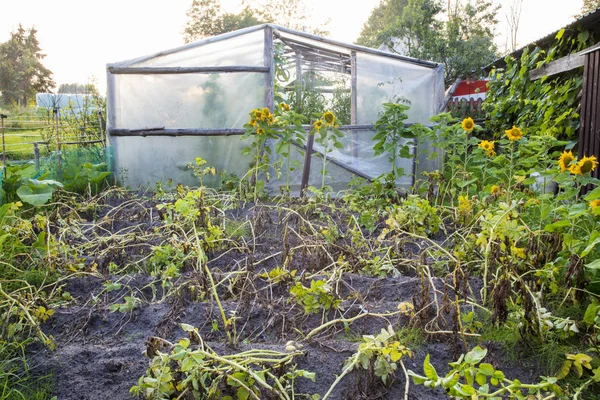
x=564, y=64
x=269, y=60
x=176, y=132
x=353, y=89
x=185, y=70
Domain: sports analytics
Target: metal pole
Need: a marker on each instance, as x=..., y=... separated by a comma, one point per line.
x=2, y=116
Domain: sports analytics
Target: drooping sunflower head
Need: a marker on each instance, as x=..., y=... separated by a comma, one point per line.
x=468, y=124
x=318, y=124
x=594, y=204
x=565, y=160
x=329, y=118
x=514, y=133
x=588, y=164
x=488, y=147
x=265, y=114
x=575, y=169
x=284, y=106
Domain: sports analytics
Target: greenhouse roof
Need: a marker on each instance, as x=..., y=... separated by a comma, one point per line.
x=326, y=52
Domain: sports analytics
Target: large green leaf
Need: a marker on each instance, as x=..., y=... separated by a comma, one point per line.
x=36, y=195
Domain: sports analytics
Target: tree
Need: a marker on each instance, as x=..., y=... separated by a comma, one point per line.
x=462, y=39
x=22, y=73
x=589, y=6
x=513, y=17
x=206, y=18
x=78, y=88
x=376, y=30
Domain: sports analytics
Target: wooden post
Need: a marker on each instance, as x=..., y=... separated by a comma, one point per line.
x=269, y=58
x=57, y=143
x=306, y=169
x=299, y=78
x=36, y=155
x=2, y=116
x=309, y=148
x=353, y=91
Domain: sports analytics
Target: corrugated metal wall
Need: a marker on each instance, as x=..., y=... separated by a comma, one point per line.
x=589, y=132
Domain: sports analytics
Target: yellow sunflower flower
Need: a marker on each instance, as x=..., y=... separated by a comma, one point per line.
x=575, y=169
x=318, y=124
x=468, y=124
x=488, y=146
x=514, y=133
x=265, y=114
x=594, y=204
x=495, y=189
x=329, y=118
x=284, y=106
x=252, y=122
x=257, y=114
x=260, y=131
x=588, y=164
x=565, y=160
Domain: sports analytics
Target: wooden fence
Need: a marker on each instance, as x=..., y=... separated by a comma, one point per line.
x=589, y=131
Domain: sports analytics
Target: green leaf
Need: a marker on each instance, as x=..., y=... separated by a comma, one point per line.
x=590, y=313
x=36, y=195
x=481, y=379
x=486, y=369
x=557, y=225
x=475, y=355
x=429, y=370
x=593, y=265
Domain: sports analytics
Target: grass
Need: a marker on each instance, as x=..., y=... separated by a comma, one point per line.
x=19, y=144
x=16, y=379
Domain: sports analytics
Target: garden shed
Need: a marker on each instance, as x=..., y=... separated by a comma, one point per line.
x=166, y=109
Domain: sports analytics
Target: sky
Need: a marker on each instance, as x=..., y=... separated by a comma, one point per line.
x=80, y=37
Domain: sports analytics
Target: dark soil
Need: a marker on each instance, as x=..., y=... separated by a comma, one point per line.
x=99, y=353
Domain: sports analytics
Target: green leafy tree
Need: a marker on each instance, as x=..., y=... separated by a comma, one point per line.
x=375, y=31
x=589, y=6
x=462, y=39
x=22, y=73
x=206, y=17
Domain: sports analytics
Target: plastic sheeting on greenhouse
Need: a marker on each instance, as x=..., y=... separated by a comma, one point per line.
x=166, y=109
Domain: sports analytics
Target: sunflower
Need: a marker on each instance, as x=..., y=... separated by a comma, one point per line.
x=318, y=124
x=575, y=169
x=594, y=204
x=265, y=114
x=329, y=118
x=252, y=122
x=257, y=114
x=565, y=160
x=488, y=146
x=468, y=124
x=284, y=106
x=495, y=189
x=514, y=133
x=588, y=164
x=260, y=131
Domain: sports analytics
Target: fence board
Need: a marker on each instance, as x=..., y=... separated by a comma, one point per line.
x=589, y=131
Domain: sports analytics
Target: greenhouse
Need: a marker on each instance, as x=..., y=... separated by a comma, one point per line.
x=166, y=109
